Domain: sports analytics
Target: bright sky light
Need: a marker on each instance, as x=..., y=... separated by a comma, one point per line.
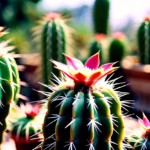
x=120, y=12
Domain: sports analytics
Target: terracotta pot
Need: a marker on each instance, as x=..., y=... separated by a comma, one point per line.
x=139, y=77
x=23, y=144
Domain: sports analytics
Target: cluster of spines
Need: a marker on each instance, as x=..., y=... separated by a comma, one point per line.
x=143, y=39
x=101, y=16
x=62, y=119
x=53, y=44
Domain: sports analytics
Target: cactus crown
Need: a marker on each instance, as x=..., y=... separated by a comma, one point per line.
x=85, y=75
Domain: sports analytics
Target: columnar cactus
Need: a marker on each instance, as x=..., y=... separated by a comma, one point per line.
x=96, y=46
x=101, y=16
x=7, y=82
x=84, y=110
x=53, y=44
x=117, y=48
x=143, y=39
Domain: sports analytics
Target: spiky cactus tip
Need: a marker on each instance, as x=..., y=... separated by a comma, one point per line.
x=84, y=110
x=143, y=39
x=9, y=81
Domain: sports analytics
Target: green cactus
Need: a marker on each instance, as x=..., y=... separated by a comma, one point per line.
x=143, y=39
x=101, y=16
x=117, y=48
x=53, y=44
x=84, y=113
x=96, y=46
x=8, y=85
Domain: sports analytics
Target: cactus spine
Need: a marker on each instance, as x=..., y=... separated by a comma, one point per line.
x=7, y=82
x=143, y=38
x=101, y=16
x=53, y=44
x=79, y=110
x=117, y=48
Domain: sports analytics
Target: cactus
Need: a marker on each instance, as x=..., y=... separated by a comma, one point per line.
x=141, y=141
x=101, y=16
x=143, y=39
x=117, y=48
x=26, y=124
x=53, y=43
x=7, y=82
x=96, y=46
x=84, y=110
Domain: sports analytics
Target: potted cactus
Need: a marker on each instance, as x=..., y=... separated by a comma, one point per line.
x=25, y=126
x=137, y=71
x=84, y=109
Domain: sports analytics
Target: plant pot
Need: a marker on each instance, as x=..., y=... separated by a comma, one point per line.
x=139, y=77
x=23, y=144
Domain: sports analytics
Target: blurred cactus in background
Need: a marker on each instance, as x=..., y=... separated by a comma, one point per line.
x=101, y=16
x=117, y=48
x=140, y=140
x=143, y=37
x=9, y=80
x=96, y=46
x=53, y=36
x=84, y=108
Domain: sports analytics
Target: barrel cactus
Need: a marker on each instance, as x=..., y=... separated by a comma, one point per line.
x=117, y=47
x=143, y=39
x=96, y=46
x=8, y=81
x=101, y=16
x=84, y=109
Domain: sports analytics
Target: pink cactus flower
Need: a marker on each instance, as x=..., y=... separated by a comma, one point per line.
x=145, y=123
x=52, y=16
x=100, y=37
x=85, y=75
x=118, y=35
x=30, y=110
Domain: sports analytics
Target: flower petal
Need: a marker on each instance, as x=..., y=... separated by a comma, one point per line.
x=94, y=76
x=107, y=66
x=93, y=62
x=62, y=67
x=73, y=63
x=145, y=121
x=80, y=76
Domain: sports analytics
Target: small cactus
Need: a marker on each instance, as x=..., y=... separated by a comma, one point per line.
x=117, y=48
x=143, y=39
x=84, y=109
x=101, y=16
x=8, y=82
x=96, y=46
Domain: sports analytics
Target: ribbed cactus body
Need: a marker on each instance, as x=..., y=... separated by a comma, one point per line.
x=6, y=91
x=143, y=39
x=83, y=119
x=95, y=48
x=116, y=50
x=101, y=16
x=53, y=45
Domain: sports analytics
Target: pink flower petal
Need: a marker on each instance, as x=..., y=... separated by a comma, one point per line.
x=145, y=121
x=93, y=62
x=107, y=66
x=73, y=63
x=64, y=68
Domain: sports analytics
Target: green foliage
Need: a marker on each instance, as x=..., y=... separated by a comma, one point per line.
x=143, y=39
x=101, y=16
